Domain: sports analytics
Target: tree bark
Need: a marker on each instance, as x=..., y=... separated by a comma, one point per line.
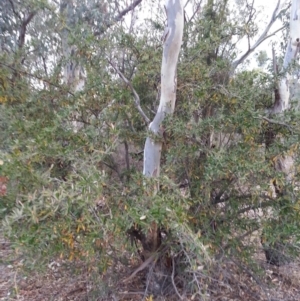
x=172, y=39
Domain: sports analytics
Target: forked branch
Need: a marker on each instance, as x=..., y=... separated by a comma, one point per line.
x=137, y=100
x=262, y=38
x=118, y=17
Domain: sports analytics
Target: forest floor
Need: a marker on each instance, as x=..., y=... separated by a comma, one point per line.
x=60, y=282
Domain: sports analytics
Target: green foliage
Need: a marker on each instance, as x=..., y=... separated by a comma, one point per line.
x=75, y=191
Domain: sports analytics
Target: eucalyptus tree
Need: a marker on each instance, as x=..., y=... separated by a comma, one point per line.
x=214, y=145
x=204, y=164
x=172, y=40
x=282, y=92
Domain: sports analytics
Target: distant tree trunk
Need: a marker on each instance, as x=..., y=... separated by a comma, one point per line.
x=19, y=57
x=73, y=72
x=172, y=43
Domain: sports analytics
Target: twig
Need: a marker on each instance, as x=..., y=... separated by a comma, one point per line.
x=137, y=100
x=195, y=11
x=23, y=28
x=278, y=122
x=254, y=207
x=13, y=8
x=36, y=77
x=16, y=285
x=141, y=267
x=173, y=282
x=150, y=273
x=147, y=262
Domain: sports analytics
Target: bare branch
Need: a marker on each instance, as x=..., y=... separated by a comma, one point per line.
x=195, y=11
x=126, y=10
x=279, y=123
x=262, y=38
x=252, y=12
x=118, y=17
x=173, y=280
x=135, y=95
x=14, y=10
x=24, y=24
x=266, y=204
x=36, y=77
x=145, y=263
x=245, y=268
x=187, y=2
x=272, y=34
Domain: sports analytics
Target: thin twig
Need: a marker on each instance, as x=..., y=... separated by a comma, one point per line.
x=173, y=282
x=137, y=100
x=150, y=273
x=141, y=267
x=13, y=8
x=279, y=123
x=255, y=207
x=195, y=11
x=16, y=285
x=36, y=77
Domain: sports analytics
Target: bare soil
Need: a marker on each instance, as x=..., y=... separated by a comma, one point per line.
x=60, y=282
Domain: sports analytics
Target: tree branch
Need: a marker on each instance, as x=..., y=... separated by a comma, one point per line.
x=135, y=95
x=126, y=10
x=36, y=77
x=24, y=24
x=14, y=10
x=195, y=11
x=279, y=123
x=118, y=17
x=173, y=280
x=262, y=38
x=255, y=207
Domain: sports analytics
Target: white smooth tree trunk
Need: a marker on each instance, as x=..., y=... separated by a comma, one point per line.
x=172, y=39
x=290, y=55
x=285, y=163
